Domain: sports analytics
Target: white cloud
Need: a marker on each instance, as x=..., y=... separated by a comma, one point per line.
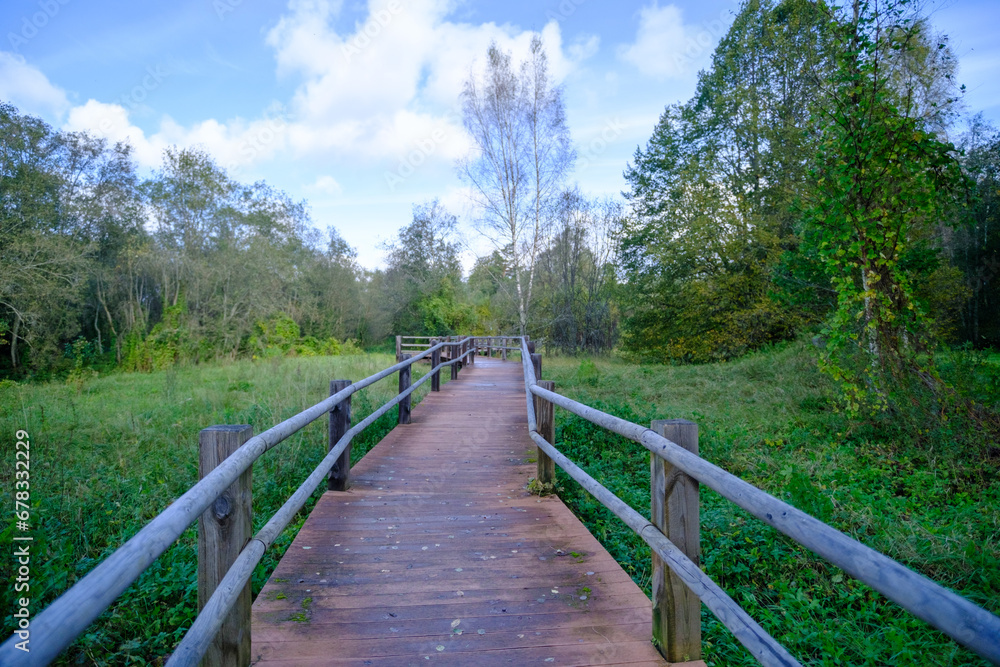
x=29, y=89
x=112, y=122
x=392, y=85
x=328, y=185
x=386, y=91
x=233, y=144
x=584, y=47
x=663, y=48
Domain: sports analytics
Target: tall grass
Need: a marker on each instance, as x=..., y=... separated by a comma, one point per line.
x=927, y=500
x=108, y=454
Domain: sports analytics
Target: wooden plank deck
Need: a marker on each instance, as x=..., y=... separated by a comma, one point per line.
x=438, y=555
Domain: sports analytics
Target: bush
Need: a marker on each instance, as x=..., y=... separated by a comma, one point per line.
x=167, y=343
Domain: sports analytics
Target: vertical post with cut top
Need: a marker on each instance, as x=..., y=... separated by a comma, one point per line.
x=676, y=609
x=436, y=375
x=454, y=360
x=545, y=419
x=340, y=422
x=404, y=384
x=223, y=530
x=503, y=350
x=399, y=347
x=536, y=362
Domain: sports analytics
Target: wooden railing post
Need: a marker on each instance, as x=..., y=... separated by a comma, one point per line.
x=436, y=376
x=676, y=610
x=489, y=347
x=536, y=361
x=545, y=419
x=454, y=360
x=503, y=350
x=404, y=384
x=399, y=347
x=340, y=422
x=531, y=348
x=223, y=530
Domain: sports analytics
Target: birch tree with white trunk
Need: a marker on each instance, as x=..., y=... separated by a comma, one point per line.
x=519, y=161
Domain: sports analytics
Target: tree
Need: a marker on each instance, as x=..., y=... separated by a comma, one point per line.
x=577, y=277
x=521, y=156
x=45, y=243
x=228, y=255
x=884, y=181
x=423, y=277
x=710, y=194
x=330, y=297
x=225, y=262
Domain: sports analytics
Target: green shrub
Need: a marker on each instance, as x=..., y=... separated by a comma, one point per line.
x=588, y=373
x=166, y=344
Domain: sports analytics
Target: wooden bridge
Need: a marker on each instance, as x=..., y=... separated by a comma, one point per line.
x=438, y=553
x=432, y=550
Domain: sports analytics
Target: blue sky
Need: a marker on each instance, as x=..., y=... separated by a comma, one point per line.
x=353, y=105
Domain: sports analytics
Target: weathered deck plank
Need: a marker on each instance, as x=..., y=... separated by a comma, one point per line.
x=438, y=554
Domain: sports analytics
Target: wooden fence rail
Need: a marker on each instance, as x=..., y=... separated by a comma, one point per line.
x=68, y=616
x=963, y=621
x=485, y=345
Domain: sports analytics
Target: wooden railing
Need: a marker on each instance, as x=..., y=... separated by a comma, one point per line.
x=679, y=585
x=501, y=345
x=227, y=554
x=485, y=345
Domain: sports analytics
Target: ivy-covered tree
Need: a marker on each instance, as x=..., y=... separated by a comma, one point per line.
x=884, y=180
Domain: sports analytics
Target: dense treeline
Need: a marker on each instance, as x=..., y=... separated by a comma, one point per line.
x=102, y=268
x=100, y=265
x=818, y=182
x=719, y=254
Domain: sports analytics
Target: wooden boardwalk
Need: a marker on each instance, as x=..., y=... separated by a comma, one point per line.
x=438, y=555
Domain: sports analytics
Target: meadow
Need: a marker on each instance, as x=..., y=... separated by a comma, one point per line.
x=109, y=453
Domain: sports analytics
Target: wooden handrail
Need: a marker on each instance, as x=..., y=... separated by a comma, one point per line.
x=491, y=344
x=70, y=614
x=201, y=632
x=963, y=621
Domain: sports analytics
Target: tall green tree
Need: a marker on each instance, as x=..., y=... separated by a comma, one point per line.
x=423, y=279
x=68, y=202
x=710, y=194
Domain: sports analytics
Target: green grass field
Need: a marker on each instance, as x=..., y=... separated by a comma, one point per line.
x=769, y=419
x=110, y=453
